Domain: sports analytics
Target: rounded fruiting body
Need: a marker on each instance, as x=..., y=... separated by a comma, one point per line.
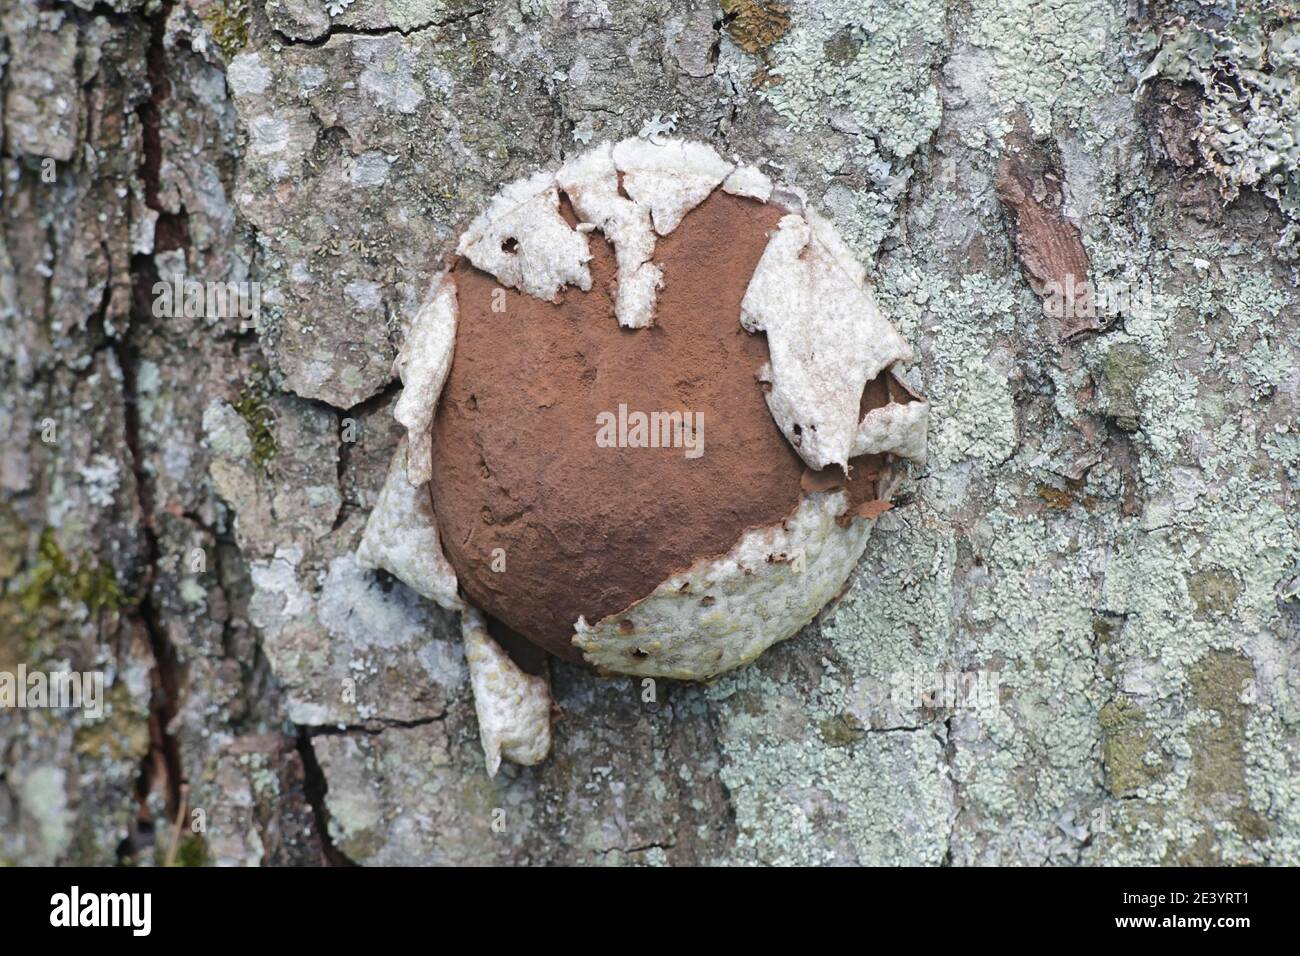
x=651, y=417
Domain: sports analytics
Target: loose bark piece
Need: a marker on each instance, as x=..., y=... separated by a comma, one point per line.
x=1029, y=185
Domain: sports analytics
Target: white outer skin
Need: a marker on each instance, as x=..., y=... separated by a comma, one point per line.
x=748, y=181
x=826, y=340
x=423, y=365
x=401, y=537
x=790, y=198
x=591, y=183
x=549, y=254
x=763, y=593
x=513, y=707
x=896, y=429
x=670, y=176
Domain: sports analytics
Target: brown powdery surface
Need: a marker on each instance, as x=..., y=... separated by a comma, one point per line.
x=588, y=530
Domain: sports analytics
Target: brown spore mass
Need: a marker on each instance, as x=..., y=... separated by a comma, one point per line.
x=540, y=523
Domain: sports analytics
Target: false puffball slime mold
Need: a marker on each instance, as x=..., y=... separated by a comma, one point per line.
x=652, y=415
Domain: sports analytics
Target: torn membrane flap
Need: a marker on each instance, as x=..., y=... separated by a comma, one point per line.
x=669, y=176
x=513, y=707
x=895, y=429
x=423, y=365
x=826, y=339
x=750, y=182
x=401, y=537
x=522, y=239
x=630, y=191
x=591, y=183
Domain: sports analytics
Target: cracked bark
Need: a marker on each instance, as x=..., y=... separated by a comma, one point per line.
x=162, y=767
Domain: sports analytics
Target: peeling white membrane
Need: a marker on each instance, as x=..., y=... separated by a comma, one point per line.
x=748, y=181
x=513, y=707
x=522, y=239
x=401, y=537
x=423, y=365
x=591, y=183
x=826, y=339
x=898, y=428
x=670, y=177
x=723, y=613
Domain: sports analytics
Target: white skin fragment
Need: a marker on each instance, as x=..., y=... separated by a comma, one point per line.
x=790, y=198
x=524, y=242
x=401, y=537
x=423, y=364
x=826, y=339
x=591, y=183
x=513, y=707
x=895, y=429
x=723, y=613
x=669, y=176
x=748, y=181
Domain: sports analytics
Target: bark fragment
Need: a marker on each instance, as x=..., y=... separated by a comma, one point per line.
x=1031, y=188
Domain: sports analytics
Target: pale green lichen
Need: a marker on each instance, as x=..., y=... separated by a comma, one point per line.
x=973, y=412
x=866, y=71
x=1169, y=413
x=1248, y=72
x=1095, y=619
x=891, y=97
x=882, y=799
x=1055, y=59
